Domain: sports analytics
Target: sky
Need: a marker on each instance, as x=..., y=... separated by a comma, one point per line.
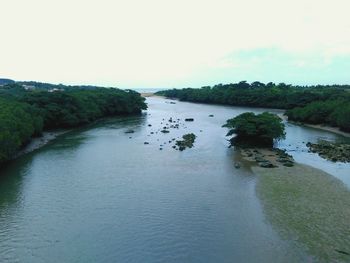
x=178, y=43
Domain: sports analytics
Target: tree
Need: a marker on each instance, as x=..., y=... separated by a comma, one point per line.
x=261, y=129
x=25, y=113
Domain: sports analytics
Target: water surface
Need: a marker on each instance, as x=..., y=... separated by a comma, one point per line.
x=97, y=195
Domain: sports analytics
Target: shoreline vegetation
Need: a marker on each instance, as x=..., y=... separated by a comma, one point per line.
x=323, y=127
x=316, y=105
x=29, y=109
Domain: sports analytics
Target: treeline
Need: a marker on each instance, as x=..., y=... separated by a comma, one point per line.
x=331, y=112
x=328, y=104
x=48, y=86
x=258, y=94
x=24, y=113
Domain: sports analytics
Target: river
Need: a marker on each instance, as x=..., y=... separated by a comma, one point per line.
x=97, y=194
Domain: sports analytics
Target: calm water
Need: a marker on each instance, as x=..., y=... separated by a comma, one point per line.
x=96, y=195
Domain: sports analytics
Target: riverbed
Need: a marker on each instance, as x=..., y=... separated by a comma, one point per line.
x=98, y=194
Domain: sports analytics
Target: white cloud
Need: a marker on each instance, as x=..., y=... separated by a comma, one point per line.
x=159, y=42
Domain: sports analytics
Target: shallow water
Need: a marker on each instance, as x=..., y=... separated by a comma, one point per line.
x=96, y=195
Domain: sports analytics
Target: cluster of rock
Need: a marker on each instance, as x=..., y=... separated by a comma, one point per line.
x=172, y=124
x=269, y=158
x=335, y=152
x=165, y=127
x=186, y=142
x=284, y=158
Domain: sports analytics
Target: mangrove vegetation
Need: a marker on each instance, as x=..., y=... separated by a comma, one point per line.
x=26, y=110
x=321, y=104
x=255, y=129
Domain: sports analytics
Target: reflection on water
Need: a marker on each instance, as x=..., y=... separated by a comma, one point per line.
x=101, y=195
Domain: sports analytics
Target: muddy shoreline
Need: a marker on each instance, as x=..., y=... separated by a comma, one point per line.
x=305, y=204
x=38, y=142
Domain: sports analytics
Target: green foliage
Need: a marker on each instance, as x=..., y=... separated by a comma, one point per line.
x=259, y=94
x=187, y=141
x=25, y=113
x=261, y=128
x=331, y=112
x=329, y=104
x=72, y=108
x=18, y=122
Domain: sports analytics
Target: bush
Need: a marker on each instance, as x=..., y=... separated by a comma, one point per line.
x=260, y=129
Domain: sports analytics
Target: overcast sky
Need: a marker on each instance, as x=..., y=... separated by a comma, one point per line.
x=179, y=43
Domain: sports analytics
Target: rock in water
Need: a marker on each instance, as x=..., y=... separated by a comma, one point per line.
x=266, y=164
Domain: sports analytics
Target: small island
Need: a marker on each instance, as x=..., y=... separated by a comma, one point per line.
x=254, y=137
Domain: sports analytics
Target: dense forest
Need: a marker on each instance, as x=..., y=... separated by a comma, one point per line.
x=26, y=113
x=327, y=104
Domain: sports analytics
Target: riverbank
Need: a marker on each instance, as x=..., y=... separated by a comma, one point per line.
x=38, y=142
x=317, y=126
x=327, y=128
x=307, y=205
x=147, y=94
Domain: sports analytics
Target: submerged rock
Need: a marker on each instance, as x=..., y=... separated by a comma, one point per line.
x=288, y=164
x=266, y=164
x=186, y=142
x=335, y=152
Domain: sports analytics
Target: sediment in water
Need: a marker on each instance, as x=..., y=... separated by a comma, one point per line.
x=308, y=205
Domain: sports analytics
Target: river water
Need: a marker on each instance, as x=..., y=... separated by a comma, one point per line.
x=100, y=195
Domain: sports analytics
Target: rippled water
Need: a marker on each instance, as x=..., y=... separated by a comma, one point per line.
x=96, y=195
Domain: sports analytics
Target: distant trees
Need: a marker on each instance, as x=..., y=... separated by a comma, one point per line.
x=24, y=114
x=314, y=104
x=332, y=112
x=72, y=108
x=6, y=81
x=261, y=129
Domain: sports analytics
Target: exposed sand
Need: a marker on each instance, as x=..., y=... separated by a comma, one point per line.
x=147, y=94
x=328, y=128
x=39, y=142
x=309, y=206
x=317, y=126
